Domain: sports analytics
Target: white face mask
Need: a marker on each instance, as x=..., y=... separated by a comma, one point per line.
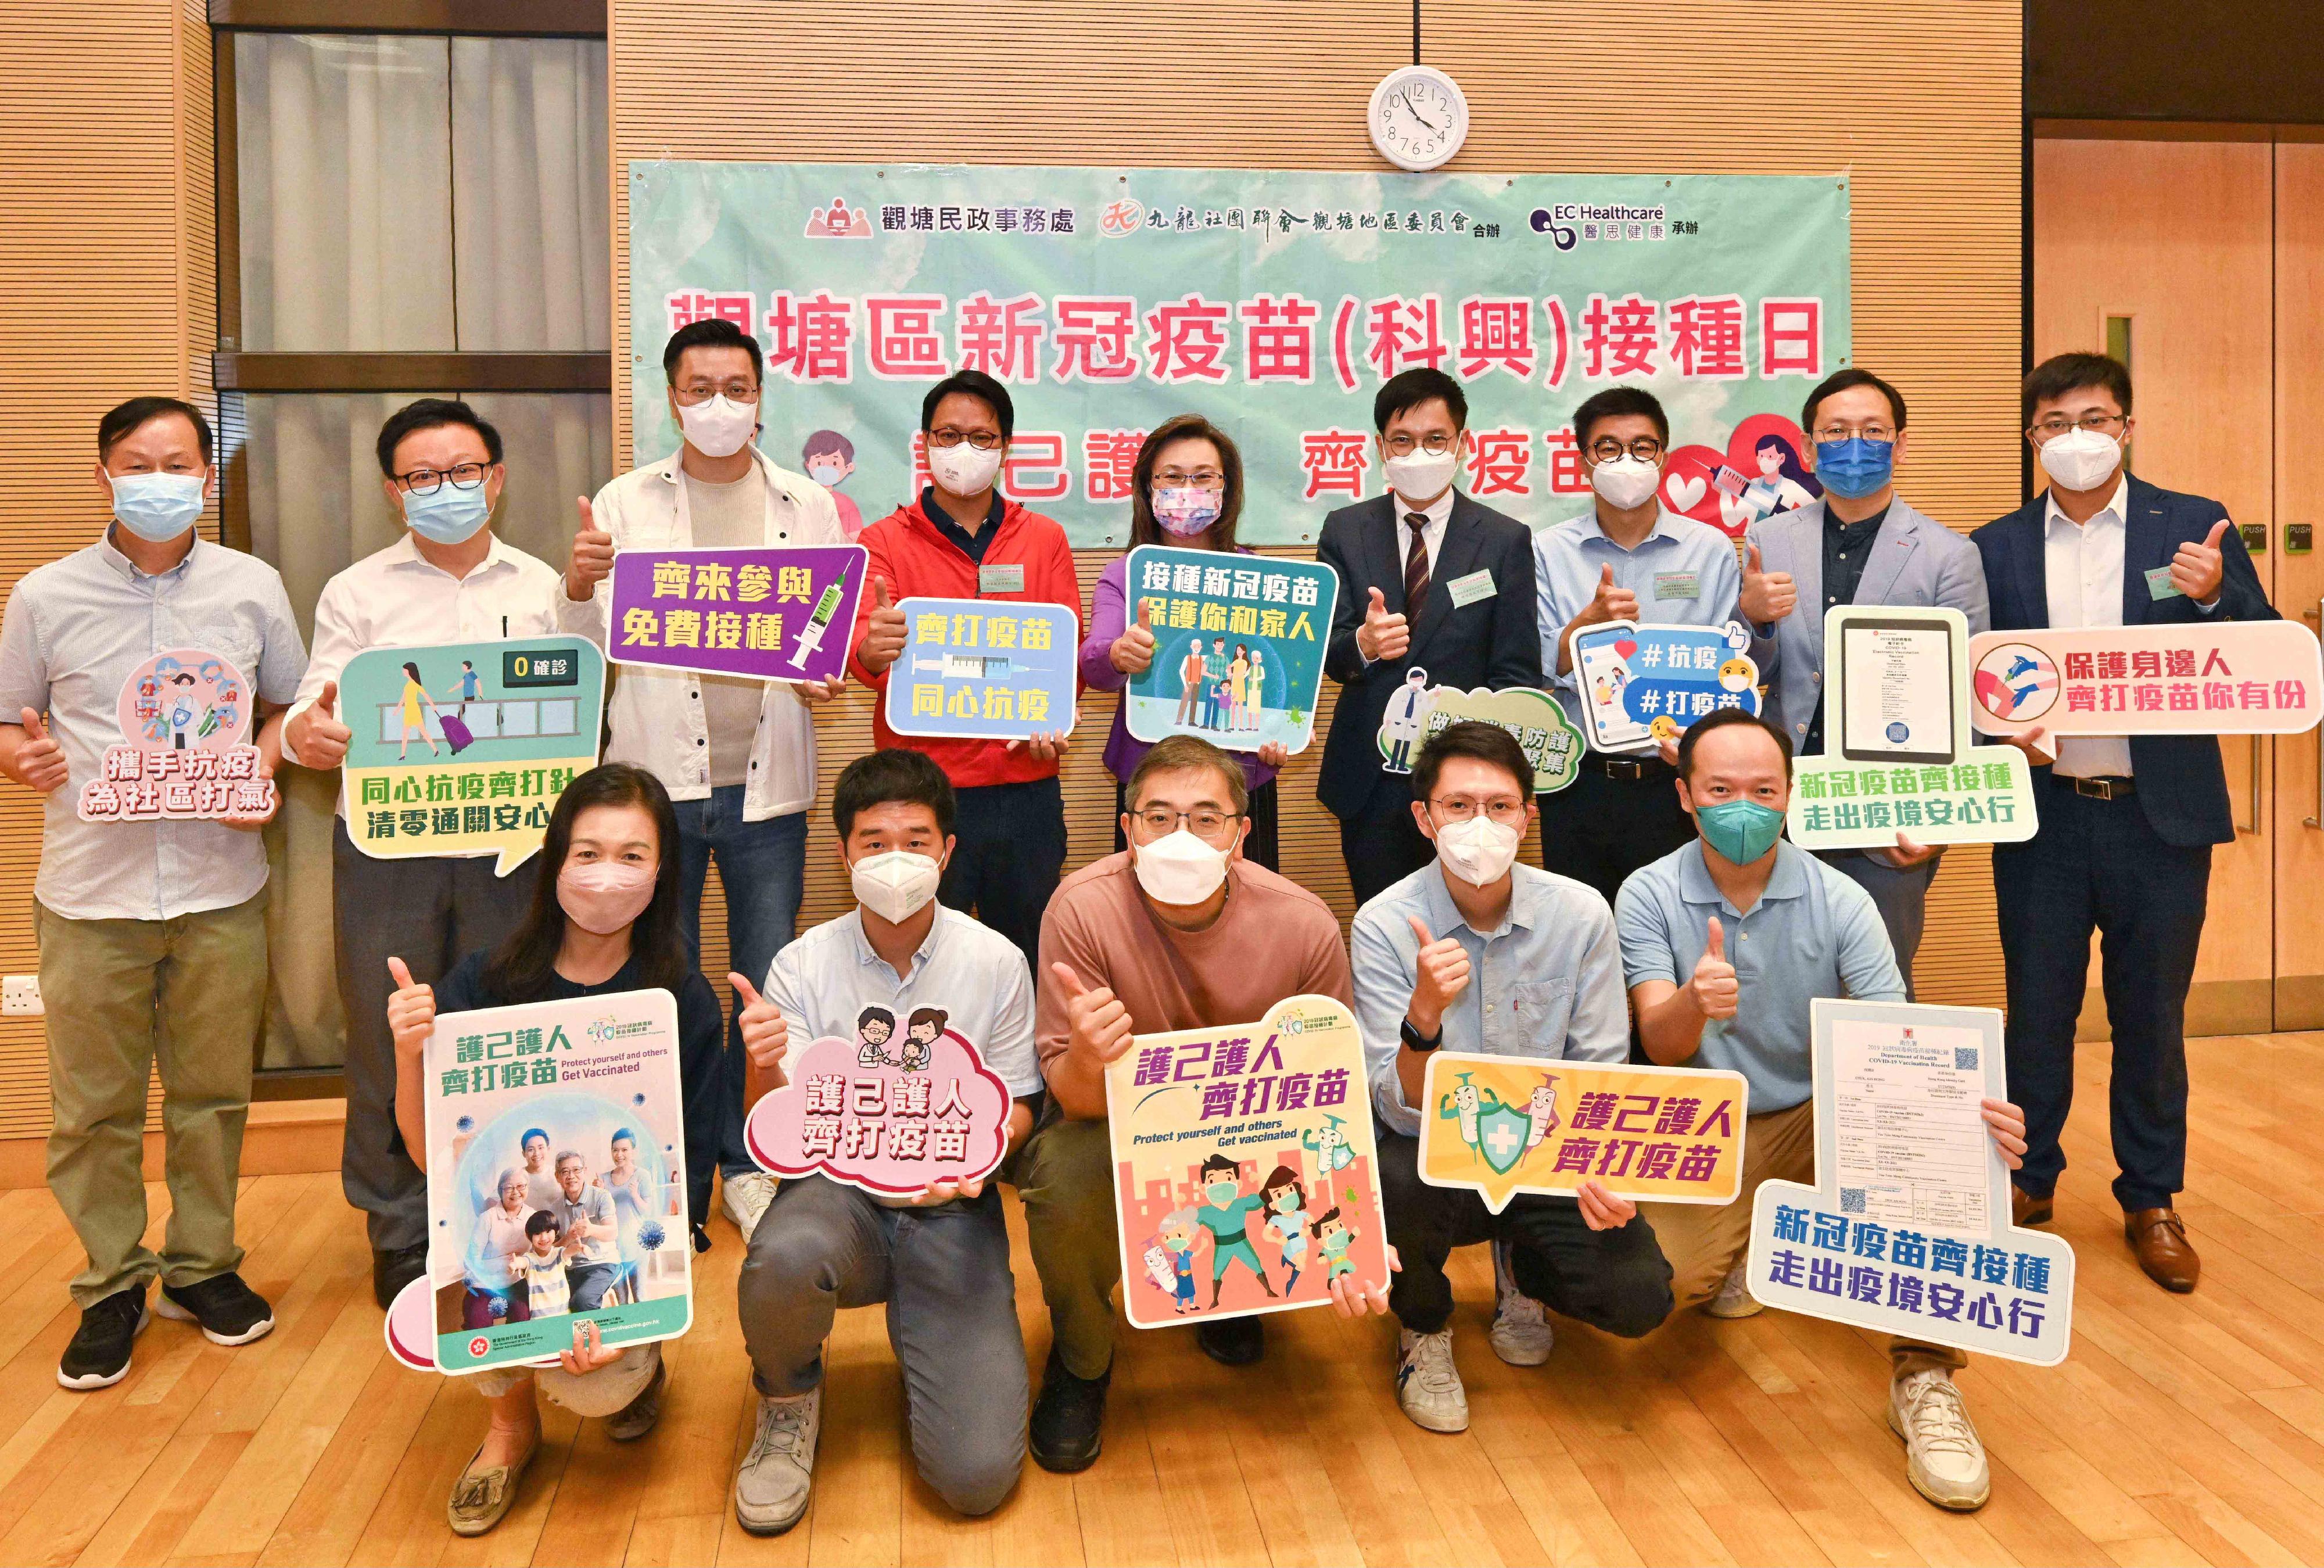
x=718, y=427
x=1180, y=869
x=1422, y=475
x=1625, y=482
x=1479, y=851
x=963, y=470
x=2081, y=459
x=895, y=885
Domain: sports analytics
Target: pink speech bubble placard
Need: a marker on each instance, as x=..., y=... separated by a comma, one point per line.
x=891, y=1120
x=2228, y=677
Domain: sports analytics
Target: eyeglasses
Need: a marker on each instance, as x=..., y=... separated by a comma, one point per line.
x=1606, y=449
x=1403, y=446
x=428, y=480
x=1865, y=433
x=1506, y=810
x=1201, y=479
x=2057, y=425
x=982, y=440
x=1207, y=821
x=701, y=392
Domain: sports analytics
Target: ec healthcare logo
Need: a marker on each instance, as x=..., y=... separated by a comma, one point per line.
x=1572, y=223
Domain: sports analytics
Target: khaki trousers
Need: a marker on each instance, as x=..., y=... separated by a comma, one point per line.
x=120, y=996
x=1704, y=1241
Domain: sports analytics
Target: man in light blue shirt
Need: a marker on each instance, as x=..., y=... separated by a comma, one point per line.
x=1626, y=559
x=1726, y=942
x=939, y=1261
x=1477, y=952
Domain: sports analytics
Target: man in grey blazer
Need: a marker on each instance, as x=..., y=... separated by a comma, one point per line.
x=1858, y=545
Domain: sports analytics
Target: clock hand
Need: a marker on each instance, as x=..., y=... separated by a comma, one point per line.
x=1406, y=99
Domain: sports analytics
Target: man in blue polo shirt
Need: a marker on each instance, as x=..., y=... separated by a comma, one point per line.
x=1625, y=559
x=1728, y=941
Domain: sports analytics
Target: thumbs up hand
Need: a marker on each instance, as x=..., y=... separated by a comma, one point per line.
x=39, y=761
x=1440, y=975
x=2198, y=569
x=1611, y=602
x=1097, y=1024
x=593, y=556
x=766, y=1036
x=1133, y=651
x=883, y=632
x=315, y=732
x=1382, y=635
x=1767, y=596
x=1712, y=986
x=411, y=1010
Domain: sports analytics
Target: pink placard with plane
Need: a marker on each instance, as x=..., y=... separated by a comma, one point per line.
x=906, y=1104
x=2235, y=677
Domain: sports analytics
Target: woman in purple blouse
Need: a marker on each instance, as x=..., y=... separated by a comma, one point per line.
x=1187, y=492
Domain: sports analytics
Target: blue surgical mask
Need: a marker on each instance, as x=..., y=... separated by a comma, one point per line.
x=448, y=514
x=1855, y=468
x=1741, y=830
x=157, y=507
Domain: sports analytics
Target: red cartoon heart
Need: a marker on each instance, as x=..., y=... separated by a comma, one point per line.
x=1625, y=646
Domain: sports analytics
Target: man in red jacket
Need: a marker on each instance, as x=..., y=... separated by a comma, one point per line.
x=963, y=540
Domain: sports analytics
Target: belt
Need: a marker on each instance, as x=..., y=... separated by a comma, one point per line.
x=1632, y=770
x=2112, y=787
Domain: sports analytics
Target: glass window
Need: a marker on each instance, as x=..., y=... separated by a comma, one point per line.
x=531, y=238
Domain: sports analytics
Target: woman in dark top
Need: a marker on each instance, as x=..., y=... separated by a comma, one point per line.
x=604, y=919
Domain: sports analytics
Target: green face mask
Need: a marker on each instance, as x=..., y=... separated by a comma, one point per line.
x=1287, y=1203
x=1221, y=1193
x=1741, y=830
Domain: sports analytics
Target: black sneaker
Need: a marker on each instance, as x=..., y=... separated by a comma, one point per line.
x=230, y=1312
x=1069, y=1417
x=1231, y=1341
x=393, y=1269
x=98, y=1356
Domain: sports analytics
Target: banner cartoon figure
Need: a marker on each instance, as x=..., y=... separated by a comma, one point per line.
x=903, y=1105
x=1640, y=684
x=1533, y=718
x=1907, y=1228
x=2237, y=677
x=1239, y=646
x=1504, y=1125
x=1899, y=755
x=463, y=748
x=183, y=757
x=1245, y=1177
x=556, y=1178
x=994, y=670
x=774, y=612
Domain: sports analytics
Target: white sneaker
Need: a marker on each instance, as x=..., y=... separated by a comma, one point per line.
x=1522, y=1335
x=1427, y=1383
x=745, y=1198
x=776, y=1478
x=1734, y=1298
x=1943, y=1457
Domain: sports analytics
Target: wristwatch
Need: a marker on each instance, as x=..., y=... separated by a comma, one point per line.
x=1415, y=1039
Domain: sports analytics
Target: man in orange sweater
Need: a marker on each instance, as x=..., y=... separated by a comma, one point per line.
x=963, y=540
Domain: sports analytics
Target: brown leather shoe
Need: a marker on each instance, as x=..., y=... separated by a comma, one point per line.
x=2160, y=1239
x=2025, y=1209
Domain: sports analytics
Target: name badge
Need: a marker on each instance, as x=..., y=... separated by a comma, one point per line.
x=1467, y=590
x=2159, y=585
x=1678, y=586
x=1004, y=579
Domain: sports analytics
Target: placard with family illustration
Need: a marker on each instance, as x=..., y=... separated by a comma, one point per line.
x=1238, y=647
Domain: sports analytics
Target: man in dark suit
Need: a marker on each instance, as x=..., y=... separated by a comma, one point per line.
x=1428, y=579
x=2128, y=822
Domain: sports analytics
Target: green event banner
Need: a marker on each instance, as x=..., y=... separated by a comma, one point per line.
x=1273, y=302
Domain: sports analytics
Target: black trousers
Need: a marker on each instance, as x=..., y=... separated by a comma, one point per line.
x=1382, y=844
x=1597, y=830
x=2098, y=865
x=1614, y=1280
x=1012, y=847
x=1261, y=848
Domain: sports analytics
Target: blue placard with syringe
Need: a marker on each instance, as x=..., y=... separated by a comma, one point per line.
x=992, y=670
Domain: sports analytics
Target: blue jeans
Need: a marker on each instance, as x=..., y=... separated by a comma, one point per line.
x=763, y=867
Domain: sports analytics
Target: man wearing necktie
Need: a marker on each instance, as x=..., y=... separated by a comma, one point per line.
x=1428, y=580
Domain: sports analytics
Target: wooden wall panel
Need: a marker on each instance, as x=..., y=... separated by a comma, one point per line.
x=107, y=290
x=1920, y=105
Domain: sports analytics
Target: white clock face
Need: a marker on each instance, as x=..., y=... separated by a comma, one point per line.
x=1418, y=117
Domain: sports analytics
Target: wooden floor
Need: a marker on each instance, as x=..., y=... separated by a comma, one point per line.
x=2182, y=1430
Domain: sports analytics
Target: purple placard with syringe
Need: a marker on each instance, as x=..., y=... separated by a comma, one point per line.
x=781, y=613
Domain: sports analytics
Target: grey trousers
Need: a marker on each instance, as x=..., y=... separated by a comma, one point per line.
x=1902, y=897
x=431, y=914
x=952, y=1320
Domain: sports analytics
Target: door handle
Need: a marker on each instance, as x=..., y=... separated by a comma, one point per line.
x=2253, y=829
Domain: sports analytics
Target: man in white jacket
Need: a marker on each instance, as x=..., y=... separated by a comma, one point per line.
x=737, y=755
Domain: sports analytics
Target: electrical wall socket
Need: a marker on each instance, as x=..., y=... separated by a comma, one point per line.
x=20, y=996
